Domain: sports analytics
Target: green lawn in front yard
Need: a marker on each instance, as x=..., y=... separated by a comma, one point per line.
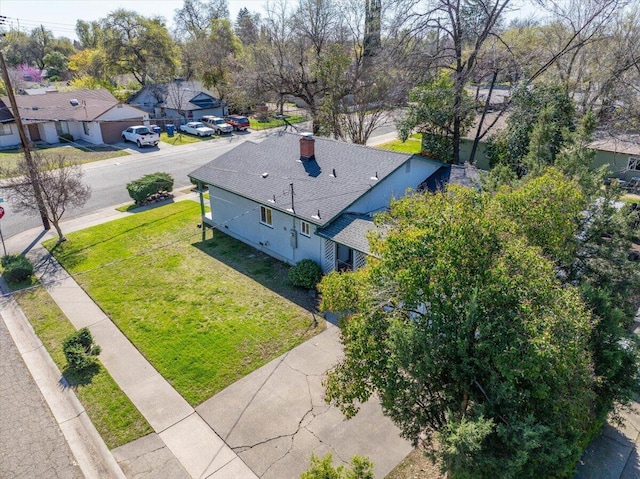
x=112, y=413
x=255, y=124
x=204, y=314
x=412, y=145
x=72, y=153
x=183, y=139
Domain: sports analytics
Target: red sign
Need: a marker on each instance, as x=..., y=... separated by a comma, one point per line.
x=1, y=211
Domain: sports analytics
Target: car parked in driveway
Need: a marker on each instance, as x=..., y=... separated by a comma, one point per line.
x=197, y=128
x=218, y=124
x=238, y=122
x=141, y=136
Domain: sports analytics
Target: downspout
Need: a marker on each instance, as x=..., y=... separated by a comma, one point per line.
x=203, y=225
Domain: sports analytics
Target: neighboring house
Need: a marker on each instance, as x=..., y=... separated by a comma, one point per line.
x=94, y=116
x=295, y=197
x=178, y=100
x=9, y=135
x=621, y=155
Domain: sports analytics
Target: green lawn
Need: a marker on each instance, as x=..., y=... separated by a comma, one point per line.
x=204, y=314
x=183, y=139
x=412, y=145
x=114, y=416
x=255, y=124
x=80, y=154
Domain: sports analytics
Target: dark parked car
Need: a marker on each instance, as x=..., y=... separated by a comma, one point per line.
x=239, y=123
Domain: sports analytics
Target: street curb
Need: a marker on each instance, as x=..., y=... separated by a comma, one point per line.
x=90, y=451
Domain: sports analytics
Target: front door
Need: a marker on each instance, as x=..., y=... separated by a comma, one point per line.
x=34, y=133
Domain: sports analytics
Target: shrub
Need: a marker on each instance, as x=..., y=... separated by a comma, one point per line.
x=16, y=268
x=65, y=138
x=306, y=274
x=80, y=350
x=140, y=190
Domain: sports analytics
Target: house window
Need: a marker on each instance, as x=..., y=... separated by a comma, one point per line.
x=265, y=216
x=85, y=127
x=633, y=163
x=62, y=127
x=5, y=129
x=305, y=228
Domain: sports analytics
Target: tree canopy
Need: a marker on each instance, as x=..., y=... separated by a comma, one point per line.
x=463, y=329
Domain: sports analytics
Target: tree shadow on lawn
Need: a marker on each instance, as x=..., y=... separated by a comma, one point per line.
x=262, y=268
x=71, y=378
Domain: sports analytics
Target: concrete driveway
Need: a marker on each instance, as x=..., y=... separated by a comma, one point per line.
x=276, y=417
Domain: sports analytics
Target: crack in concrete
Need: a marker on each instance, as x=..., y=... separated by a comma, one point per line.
x=241, y=449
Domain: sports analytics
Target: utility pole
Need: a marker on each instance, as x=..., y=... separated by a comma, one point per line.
x=33, y=172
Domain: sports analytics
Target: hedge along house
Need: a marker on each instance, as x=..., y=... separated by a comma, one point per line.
x=295, y=197
x=94, y=116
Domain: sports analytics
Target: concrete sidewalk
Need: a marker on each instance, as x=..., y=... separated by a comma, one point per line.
x=198, y=448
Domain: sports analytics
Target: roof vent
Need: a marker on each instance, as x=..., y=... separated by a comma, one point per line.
x=307, y=146
x=375, y=178
x=74, y=102
x=265, y=174
x=333, y=173
x=316, y=216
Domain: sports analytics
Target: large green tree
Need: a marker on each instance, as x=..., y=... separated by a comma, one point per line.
x=140, y=46
x=544, y=114
x=432, y=112
x=464, y=331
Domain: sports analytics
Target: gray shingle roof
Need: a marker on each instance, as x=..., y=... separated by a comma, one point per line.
x=262, y=171
x=56, y=105
x=350, y=230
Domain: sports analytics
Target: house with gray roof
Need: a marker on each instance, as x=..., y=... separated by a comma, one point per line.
x=179, y=99
x=94, y=116
x=295, y=196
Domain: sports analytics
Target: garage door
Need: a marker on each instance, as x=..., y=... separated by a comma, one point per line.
x=112, y=130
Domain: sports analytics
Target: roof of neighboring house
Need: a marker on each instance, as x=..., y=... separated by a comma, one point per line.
x=57, y=106
x=627, y=146
x=264, y=171
x=5, y=114
x=180, y=95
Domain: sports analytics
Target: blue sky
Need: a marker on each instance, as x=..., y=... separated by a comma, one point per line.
x=60, y=16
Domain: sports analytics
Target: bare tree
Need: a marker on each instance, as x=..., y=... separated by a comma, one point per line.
x=59, y=181
x=459, y=30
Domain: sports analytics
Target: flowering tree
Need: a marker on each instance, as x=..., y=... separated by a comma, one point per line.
x=28, y=71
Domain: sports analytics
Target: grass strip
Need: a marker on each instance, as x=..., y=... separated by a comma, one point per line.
x=112, y=413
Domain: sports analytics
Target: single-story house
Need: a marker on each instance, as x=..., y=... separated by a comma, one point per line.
x=295, y=196
x=8, y=131
x=94, y=116
x=179, y=99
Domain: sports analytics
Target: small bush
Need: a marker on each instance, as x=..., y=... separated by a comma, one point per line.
x=305, y=274
x=65, y=138
x=148, y=185
x=16, y=268
x=80, y=350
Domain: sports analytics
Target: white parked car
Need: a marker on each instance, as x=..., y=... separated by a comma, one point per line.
x=197, y=128
x=140, y=135
x=218, y=124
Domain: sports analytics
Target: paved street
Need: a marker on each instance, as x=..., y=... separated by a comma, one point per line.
x=26, y=424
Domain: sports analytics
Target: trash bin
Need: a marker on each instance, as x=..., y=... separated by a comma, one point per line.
x=156, y=129
x=170, y=130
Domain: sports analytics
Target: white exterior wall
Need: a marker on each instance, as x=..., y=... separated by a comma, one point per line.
x=94, y=136
x=394, y=186
x=123, y=112
x=10, y=140
x=240, y=218
x=49, y=134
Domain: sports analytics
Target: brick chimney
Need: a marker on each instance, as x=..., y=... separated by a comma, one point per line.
x=307, y=146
